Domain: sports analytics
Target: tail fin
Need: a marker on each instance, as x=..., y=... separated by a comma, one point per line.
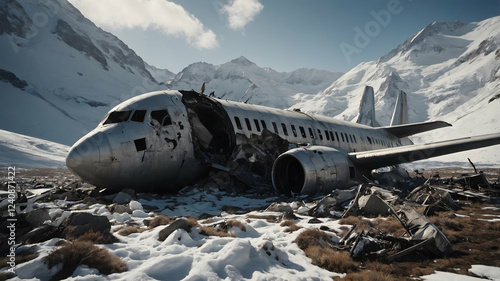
x=400, y=114
x=366, y=114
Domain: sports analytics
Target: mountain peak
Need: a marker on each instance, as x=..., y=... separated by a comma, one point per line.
x=423, y=40
x=242, y=61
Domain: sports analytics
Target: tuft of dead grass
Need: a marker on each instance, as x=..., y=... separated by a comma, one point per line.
x=331, y=259
x=22, y=256
x=127, y=230
x=95, y=237
x=291, y=226
x=212, y=231
x=388, y=225
x=235, y=223
x=72, y=255
x=159, y=220
x=313, y=237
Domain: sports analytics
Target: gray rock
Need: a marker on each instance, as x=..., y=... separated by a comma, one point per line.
x=37, y=217
x=78, y=224
x=178, y=224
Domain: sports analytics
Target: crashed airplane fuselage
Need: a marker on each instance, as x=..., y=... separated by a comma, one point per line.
x=161, y=141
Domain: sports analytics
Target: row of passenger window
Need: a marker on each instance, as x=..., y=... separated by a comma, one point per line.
x=382, y=142
x=328, y=135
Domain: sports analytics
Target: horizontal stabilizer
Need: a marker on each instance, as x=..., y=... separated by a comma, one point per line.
x=402, y=131
x=391, y=156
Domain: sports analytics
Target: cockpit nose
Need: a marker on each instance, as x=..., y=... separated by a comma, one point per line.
x=86, y=156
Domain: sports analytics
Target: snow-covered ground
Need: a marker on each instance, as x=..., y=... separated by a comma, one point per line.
x=260, y=250
x=27, y=152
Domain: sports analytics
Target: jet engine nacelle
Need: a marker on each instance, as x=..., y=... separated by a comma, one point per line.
x=312, y=169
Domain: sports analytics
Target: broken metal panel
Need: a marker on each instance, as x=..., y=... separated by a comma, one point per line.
x=372, y=205
x=421, y=228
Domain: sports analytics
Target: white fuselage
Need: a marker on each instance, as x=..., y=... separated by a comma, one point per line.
x=159, y=141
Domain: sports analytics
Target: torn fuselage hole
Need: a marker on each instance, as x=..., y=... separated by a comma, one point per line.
x=212, y=129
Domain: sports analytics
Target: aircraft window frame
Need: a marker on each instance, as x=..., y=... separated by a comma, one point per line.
x=332, y=137
x=337, y=135
x=257, y=125
x=369, y=140
x=327, y=135
x=285, y=131
x=320, y=134
x=346, y=137
x=294, y=131
x=117, y=117
x=355, y=140
x=275, y=127
x=161, y=116
x=302, y=132
x=238, y=123
x=249, y=125
x=350, y=136
x=311, y=133
x=264, y=125
x=140, y=144
x=138, y=115
x=342, y=135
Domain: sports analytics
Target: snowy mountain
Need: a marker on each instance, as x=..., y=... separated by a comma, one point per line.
x=60, y=73
x=160, y=75
x=27, y=152
x=450, y=71
x=243, y=80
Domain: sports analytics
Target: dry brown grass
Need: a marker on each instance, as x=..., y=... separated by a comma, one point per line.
x=291, y=226
x=368, y=275
x=313, y=237
x=159, y=220
x=21, y=257
x=212, y=231
x=72, y=255
x=127, y=230
x=235, y=223
x=387, y=225
x=331, y=259
x=95, y=237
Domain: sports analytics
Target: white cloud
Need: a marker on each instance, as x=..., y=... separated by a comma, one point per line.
x=163, y=15
x=241, y=12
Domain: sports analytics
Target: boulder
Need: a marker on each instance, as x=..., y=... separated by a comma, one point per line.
x=178, y=224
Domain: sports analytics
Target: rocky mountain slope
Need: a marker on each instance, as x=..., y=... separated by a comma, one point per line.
x=60, y=73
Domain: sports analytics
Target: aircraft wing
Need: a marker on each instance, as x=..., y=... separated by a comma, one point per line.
x=406, y=130
x=391, y=156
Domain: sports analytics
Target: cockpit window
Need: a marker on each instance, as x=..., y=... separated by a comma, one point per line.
x=117, y=117
x=162, y=117
x=138, y=116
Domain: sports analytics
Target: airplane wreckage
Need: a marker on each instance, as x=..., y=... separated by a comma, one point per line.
x=164, y=140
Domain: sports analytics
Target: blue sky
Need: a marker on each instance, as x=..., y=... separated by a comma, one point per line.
x=285, y=35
